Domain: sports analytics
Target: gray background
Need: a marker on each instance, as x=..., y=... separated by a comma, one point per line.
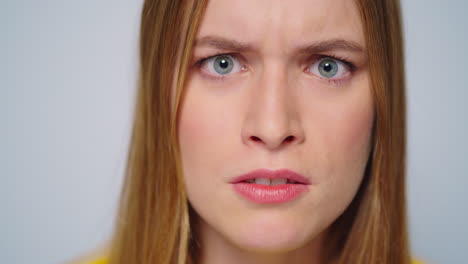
x=67, y=81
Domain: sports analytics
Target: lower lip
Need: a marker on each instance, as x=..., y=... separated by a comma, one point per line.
x=263, y=194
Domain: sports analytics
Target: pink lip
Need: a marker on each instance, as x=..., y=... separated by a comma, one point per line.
x=272, y=174
x=281, y=193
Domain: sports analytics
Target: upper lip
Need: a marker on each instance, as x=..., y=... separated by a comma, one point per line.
x=272, y=174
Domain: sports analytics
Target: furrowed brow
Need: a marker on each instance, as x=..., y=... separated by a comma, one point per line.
x=222, y=43
x=313, y=48
x=331, y=45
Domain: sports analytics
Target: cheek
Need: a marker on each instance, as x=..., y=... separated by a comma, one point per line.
x=352, y=131
x=355, y=129
x=197, y=128
x=202, y=129
x=346, y=128
x=202, y=133
x=352, y=144
x=203, y=114
x=343, y=123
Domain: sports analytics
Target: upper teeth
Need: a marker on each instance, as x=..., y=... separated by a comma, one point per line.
x=266, y=181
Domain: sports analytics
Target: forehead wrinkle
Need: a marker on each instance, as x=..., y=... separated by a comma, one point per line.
x=223, y=43
x=271, y=26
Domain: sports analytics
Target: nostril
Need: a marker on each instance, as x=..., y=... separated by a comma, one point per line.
x=287, y=139
x=254, y=138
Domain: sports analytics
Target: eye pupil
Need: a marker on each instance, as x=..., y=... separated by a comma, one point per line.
x=223, y=65
x=328, y=68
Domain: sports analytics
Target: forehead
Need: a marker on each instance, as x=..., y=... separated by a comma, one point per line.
x=270, y=24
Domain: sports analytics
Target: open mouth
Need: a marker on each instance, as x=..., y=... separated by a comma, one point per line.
x=271, y=188
x=271, y=182
x=272, y=177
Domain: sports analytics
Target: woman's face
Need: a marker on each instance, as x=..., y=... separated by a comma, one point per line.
x=292, y=92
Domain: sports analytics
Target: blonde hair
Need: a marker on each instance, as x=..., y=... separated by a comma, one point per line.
x=153, y=223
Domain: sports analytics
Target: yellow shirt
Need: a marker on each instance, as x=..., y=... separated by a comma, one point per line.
x=98, y=261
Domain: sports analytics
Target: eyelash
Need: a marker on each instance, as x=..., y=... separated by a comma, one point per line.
x=199, y=63
x=351, y=67
x=337, y=82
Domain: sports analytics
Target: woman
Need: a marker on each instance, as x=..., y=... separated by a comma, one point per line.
x=267, y=132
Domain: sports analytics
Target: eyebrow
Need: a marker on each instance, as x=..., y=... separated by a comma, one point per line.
x=315, y=47
x=222, y=43
x=332, y=44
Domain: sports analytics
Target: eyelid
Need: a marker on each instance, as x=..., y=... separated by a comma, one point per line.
x=233, y=56
x=349, y=66
x=345, y=65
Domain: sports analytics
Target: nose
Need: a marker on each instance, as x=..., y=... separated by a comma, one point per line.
x=272, y=120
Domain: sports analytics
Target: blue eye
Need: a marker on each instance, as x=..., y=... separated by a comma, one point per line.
x=329, y=68
x=222, y=65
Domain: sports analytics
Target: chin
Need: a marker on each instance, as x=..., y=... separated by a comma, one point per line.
x=269, y=236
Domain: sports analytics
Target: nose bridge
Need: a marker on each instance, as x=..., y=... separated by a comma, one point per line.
x=272, y=117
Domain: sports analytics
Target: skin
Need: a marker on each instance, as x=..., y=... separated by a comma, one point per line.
x=274, y=111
